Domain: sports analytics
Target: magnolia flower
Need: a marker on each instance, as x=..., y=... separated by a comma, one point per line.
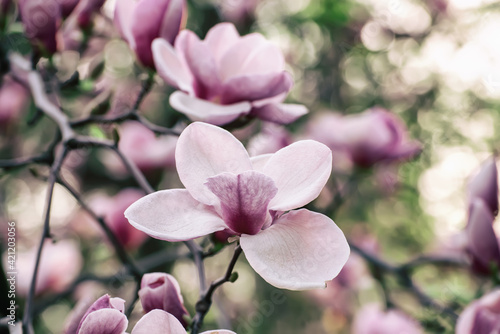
x=481, y=316
x=106, y=316
x=41, y=20
x=161, y=291
x=372, y=320
x=226, y=76
x=484, y=185
x=140, y=22
x=370, y=137
x=251, y=198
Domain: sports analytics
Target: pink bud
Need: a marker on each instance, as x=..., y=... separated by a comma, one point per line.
x=140, y=22
x=368, y=138
x=67, y=6
x=482, y=244
x=372, y=320
x=482, y=316
x=161, y=291
x=41, y=21
x=85, y=10
x=104, y=316
x=484, y=185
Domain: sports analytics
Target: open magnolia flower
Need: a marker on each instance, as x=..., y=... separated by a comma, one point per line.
x=226, y=76
x=250, y=197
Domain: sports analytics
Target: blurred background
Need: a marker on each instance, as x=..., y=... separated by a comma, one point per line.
x=434, y=63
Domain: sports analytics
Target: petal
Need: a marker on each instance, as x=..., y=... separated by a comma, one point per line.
x=301, y=250
x=173, y=215
x=202, y=65
x=172, y=20
x=124, y=11
x=158, y=322
x=243, y=199
x=220, y=38
x=170, y=67
x=107, y=321
x=219, y=331
x=280, y=113
x=255, y=87
x=202, y=110
x=252, y=54
x=300, y=171
x=203, y=151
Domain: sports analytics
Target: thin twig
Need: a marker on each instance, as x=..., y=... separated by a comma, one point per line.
x=54, y=171
x=205, y=301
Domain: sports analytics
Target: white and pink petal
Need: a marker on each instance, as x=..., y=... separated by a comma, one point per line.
x=204, y=150
x=301, y=250
x=300, y=172
x=173, y=215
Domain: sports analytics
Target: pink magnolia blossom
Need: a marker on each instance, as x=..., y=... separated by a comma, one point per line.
x=226, y=76
x=106, y=316
x=372, y=320
x=370, y=137
x=112, y=208
x=227, y=190
x=85, y=10
x=481, y=316
x=60, y=264
x=140, y=22
x=161, y=291
x=14, y=98
x=484, y=185
x=41, y=20
x=270, y=139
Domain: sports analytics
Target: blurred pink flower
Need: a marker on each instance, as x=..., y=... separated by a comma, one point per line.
x=270, y=139
x=60, y=264
x=372, y=320
x=225, y=189
x=482, y=316
x=85, y=10
x=368, y=138
x=140, y=22
x=41, y=20
x=112, y=209
x=238, y=11
x=140, y=145
x=14, y=98
x=226, y=76
x=161, y=291
x=484, y=185
x=106, y=316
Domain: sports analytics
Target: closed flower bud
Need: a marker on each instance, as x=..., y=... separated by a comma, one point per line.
x=482, y=244
x=140, y=22
x=104, y=316
x=484, y=185
x=161, y=291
